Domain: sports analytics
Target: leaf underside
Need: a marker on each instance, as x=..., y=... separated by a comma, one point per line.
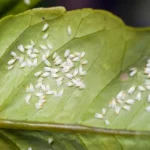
x=111, y=49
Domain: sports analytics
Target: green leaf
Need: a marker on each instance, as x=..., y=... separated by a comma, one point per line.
x=22, y=140
x=11, y=7
x=111, y=50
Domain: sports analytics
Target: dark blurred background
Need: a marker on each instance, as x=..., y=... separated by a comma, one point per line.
x=133, y=12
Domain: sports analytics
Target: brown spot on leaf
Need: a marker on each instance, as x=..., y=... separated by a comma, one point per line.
x=124, y=76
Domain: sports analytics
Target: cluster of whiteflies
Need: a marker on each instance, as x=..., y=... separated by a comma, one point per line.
x=123, y=100
x=64, y=70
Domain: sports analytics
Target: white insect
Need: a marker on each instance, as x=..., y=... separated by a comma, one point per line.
x=141, y=88
x=138, y=96
x=133, y=72
x=49, y=92
x=27, y=2
x=13, y=54
x=30, y=148
x=33, y=56
x=117, y=110
x=43, y=47
x=148, y=99
x=75, y=72
x=148, y=109
x=49, y=46
x=45, y=36
x=71, y=56
x=69, y=75
x=121, y=95
x=24, y=64
x=76, y=59
x=104, y=111
x=69, y=30
x=147, y=70
x=148, y=87
x=130, y=101
x=60, y=93
x=107, y=122
x=55, y=55
x=27, y=98
x=34, y=62
x=45, y=74
x=11, y=62
x=99, y=116
x=32, y=43
x=47, y=63
x=10, y=67
x=37, y=74
x=45, y=27
x=69, y=84
x=126, y=107
x=31, y=88
x=29, y=63
x=131, y=90
x=82, y=55
x=67, y=52
x=50, y=140
x=29, y=47
x=84, y=62
x=21, y=48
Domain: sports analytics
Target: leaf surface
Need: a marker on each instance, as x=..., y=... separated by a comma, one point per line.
x=111, y=49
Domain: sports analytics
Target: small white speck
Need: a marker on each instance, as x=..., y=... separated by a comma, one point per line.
x=32, y=43
x=69, y=30
x=119, y=101
x=21, y=59
x=37, y=74
x=107, y=122
x=70, y=63
x=69, y=75
x=82, y=73
x=67, y=52
x=29, y=47
x=148, y=99
x=54, y=75
x=121, y=95
x=35, y=51
x=49, y=46
x=47, y=63
x=69, y=84
x=30, y=148
x=71, y=56
x=77, y=54
x=133, y=72
x=24, y=64
x=131, y=90
x=66, y=69
x=31, y=88
x=99, y=116
x=45, y=36
x=82, y=55
x=47, y=53
x=75, y=72
x=84, y=62
x=29, y=52
x=148, y=109
x=104, y=111
x=38, y=106
x=60, y=93
x=45, y=27
x=43, y=87
x=58, y=62
x=138, y=96
x=43, y=47
x=13, y=54
x=117, y=110
x=112, y=104
x=126, y=107
x=21, y=48
x=45, y=74
x=29, y=63
x=10, y=67
x=82, y=86
x=50, y=140
x=27, y=98
x=12, y=61
x=39, y=94
x=76, y=59
x=34, y=62
x=130, y=101
x=27, y=2
x=147, y=87
x=33, y=56
x=49, y=92
x=147, y=70
x=55, y=55
x=141, y=88
x=40, y=79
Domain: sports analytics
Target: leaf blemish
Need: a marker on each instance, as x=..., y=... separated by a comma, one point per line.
x=124, y=76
